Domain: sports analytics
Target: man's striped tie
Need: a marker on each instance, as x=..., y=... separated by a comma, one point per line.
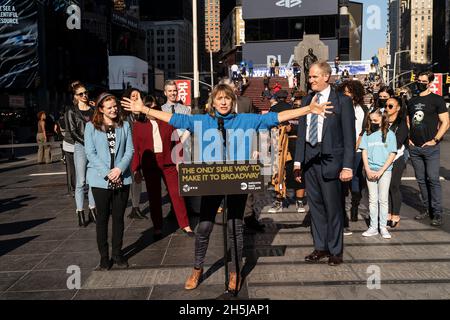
x=314, y=125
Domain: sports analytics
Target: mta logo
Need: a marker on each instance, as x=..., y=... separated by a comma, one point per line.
x=289, y=3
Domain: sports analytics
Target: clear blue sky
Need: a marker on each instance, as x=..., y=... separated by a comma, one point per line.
x=374, y=26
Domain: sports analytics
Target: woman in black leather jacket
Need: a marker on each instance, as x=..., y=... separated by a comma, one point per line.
x=77, y=117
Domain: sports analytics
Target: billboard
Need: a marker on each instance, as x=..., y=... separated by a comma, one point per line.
x=355, y=11
x=128, y=71
x=18, y=44
x=438, y=84
x=261, y=52
x=260, y=9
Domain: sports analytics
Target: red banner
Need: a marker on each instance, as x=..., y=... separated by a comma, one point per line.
x=437, y=85
x=184, y=91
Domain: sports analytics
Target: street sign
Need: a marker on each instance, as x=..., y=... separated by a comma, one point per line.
x=184, y=91
x=202, y=179
x=437, y=85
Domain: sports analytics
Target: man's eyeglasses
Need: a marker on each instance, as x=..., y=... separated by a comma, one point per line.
x=85, y=93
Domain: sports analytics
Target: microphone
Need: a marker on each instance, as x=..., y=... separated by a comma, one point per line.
x=222, y=129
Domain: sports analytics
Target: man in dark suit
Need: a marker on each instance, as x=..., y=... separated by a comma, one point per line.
x=325, y=151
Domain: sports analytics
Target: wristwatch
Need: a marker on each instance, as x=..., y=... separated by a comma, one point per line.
x=436, y=140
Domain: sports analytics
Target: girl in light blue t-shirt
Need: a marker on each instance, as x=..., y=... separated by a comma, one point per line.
x=379, y=147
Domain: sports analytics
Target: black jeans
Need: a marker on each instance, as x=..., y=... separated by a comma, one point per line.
x=426, y=163
x=395, y=196
x=112, y=202
x=208, y=211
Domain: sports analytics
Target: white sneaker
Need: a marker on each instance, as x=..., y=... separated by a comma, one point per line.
x=385, y=234
x=347, y=232
x=370, y=232
x=300, y=206
x=276, y=207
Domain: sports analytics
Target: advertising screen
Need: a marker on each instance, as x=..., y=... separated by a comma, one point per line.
x=18, y=44
x=260, y=9
x=126, y=71
x=356, y=13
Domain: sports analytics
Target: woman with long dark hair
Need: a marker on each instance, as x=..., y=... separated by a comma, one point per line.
x=397, y=123
x=78, y=116
x=109, y=149
x=384, y=94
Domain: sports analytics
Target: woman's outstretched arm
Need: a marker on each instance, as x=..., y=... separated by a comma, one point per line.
x=138, y=106
x=314, y=107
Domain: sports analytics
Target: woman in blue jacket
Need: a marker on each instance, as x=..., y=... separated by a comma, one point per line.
x=109, y=149
x=210, y=128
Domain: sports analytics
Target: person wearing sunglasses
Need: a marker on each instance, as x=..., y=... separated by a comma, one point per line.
x=397, y=124
x=383, y=95
x=78, y=116
x=428, y=122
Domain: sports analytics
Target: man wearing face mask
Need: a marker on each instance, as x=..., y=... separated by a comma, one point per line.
x=428, y=121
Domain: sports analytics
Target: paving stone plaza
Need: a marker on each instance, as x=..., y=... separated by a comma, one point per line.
x=40, y=241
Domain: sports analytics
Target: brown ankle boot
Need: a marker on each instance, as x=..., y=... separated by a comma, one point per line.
x=194, y=278
x=232, y=287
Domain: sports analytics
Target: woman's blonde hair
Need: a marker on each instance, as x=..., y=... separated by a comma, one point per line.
x=227, y=90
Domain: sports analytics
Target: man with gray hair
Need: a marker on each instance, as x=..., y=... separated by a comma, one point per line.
x=172, y=105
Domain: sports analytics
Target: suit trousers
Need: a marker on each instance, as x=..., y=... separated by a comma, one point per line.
x=152, y=175
x=325, y=203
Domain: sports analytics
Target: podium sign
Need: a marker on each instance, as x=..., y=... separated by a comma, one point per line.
x=202, y=179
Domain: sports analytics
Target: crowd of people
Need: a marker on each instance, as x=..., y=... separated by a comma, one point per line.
x=336, y=145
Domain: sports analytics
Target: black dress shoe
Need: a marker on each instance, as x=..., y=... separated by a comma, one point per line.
x=81, y=218
x=105, y=264
x=252, y=223
x=157, y=236
x=136, y=214
x=190, y=234
x=335, y=260
x=93, y=215
x=120, y=262
x=317, y=255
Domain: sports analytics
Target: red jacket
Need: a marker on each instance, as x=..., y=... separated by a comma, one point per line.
x=143, y=145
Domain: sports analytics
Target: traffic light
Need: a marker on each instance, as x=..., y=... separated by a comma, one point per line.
x=413, y=76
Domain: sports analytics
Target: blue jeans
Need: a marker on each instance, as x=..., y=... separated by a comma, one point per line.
x=379, y=200
x=80, y=161
x=426, y=163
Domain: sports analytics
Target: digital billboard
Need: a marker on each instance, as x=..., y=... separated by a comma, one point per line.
x=355, y=11
x=260, y=9
x=128, y=71
x=18, y=44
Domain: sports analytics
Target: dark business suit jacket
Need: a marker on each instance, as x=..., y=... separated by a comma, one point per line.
x=338, y=136
x=244, y=105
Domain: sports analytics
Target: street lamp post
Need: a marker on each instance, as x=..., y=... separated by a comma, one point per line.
x=395, y=66
x=195, y=54
x=211, y=61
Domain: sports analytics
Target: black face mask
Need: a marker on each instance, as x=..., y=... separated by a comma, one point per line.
x=382, y=103
x=421, y=86
x=374, y=127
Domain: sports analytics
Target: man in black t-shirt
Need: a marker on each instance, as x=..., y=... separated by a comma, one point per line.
x=428, y=121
